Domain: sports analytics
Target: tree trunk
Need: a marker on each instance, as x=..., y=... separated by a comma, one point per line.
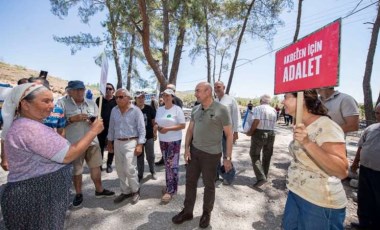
x=145, y=36
x=207, y=45
x=112, y=28
x=221, y=64
x=165, y=48
x=130, y=62
x=117, y=64
x=238, y=47
x=368, y=103
x=179, y=45
x=298, y=21
x=214, y=68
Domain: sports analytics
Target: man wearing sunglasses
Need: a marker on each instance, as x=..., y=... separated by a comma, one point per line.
x=109, y=102
x=127, y=130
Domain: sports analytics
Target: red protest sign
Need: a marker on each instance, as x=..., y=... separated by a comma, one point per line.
x=311, y=62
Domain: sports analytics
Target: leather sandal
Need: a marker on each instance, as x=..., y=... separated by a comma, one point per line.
x=166, y=198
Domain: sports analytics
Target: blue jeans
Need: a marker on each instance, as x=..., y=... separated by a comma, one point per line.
x=224, y=154
x=301, y=214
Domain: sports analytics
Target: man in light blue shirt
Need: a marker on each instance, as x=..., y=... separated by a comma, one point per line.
x=127, y=130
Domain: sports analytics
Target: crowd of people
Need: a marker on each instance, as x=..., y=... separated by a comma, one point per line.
x=71, y=131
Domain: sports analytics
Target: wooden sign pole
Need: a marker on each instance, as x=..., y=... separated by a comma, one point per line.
x=299, y=110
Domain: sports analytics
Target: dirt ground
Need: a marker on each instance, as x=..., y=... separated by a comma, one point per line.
x=237, y=206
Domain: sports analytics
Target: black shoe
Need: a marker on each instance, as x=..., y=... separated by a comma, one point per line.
x=154, y=176
x=122, y=197
x=205, y=220
x=104, y=193
x=182, y=217
x=78, y=199
x=160, y=162
x=259, y=183
x=109, y=169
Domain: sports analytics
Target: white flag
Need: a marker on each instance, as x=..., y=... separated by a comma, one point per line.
x=103, y=74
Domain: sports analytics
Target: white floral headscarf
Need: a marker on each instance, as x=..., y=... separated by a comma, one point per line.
x=12, y=102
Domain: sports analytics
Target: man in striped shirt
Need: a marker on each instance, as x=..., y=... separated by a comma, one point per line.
x=262, y=120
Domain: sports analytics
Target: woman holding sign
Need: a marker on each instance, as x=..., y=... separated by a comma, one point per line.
x=316, y=198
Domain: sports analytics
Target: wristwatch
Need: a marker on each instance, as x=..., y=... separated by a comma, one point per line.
x=228, y=158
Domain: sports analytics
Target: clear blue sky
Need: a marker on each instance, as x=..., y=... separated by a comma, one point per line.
x=27, y=28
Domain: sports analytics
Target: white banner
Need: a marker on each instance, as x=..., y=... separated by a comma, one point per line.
x=103, y=74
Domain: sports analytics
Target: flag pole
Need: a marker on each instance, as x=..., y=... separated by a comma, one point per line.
x=100, y=106
x=103, y=81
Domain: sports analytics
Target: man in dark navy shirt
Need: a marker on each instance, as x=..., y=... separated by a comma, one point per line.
x=108, y=103
x=148, y=150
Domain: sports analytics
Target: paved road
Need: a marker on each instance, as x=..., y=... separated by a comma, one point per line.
x=238, y=206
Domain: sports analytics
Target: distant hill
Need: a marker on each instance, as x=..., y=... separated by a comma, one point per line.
x=12, y=73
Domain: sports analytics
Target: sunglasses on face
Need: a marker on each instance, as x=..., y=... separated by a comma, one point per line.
x=109, y=89
x=120, y=97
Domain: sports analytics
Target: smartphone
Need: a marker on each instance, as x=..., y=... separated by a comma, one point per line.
x=92, y=118
x=43, y=74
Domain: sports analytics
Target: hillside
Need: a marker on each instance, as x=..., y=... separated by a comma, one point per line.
x=12, y=73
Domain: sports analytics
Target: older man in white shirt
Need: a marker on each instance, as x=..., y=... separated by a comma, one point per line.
x=233, y=110
x=127, y=130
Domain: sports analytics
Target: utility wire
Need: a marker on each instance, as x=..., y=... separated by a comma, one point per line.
x=274, y=50
x=356, y=6
x=360, y=10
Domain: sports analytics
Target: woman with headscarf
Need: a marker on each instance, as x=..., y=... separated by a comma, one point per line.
x=170, y=120
x=316, y=198
x=37, y=193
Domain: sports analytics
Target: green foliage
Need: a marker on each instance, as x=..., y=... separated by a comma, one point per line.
x=361, y=111
x=123, y=21
x=77, y=42
x=188, y=100
x=244, y=101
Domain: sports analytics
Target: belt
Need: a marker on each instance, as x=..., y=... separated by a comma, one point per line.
x=127, y=138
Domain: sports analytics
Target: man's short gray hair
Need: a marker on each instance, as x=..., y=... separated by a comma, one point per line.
x=265, y=99
x=125, y=91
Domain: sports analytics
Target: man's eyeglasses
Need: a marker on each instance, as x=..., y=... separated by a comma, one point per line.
x=109, y=89
x=120, y=97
